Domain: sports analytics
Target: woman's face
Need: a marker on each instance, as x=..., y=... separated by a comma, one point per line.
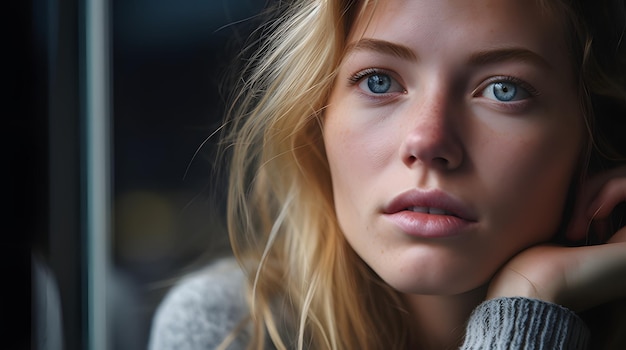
x=452, y=133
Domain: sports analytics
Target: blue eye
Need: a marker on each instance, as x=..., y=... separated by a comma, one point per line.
x=505, y=91
x=373, y=81
x=379, y=83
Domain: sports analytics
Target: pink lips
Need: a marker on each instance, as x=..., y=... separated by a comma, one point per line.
x=429, y=214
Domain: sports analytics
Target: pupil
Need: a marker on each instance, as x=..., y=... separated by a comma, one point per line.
x=379, y=83
x=504, y=91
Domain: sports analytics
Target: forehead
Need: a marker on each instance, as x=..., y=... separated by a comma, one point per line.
x=452, y=26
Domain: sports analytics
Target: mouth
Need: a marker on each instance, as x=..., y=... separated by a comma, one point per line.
x=433, y=202
x=430, y=214
x=429, y=210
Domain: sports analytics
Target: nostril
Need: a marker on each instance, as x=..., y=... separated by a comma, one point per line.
x=441, y=161
x=431, y=147
x=434, y=162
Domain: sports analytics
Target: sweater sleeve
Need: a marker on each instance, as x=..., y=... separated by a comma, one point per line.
x=522, y=323
x=202, y=310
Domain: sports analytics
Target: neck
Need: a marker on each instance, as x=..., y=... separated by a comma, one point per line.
x=440, y=320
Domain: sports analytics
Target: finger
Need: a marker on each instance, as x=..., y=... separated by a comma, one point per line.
x=613, y=193
x=580, y=222
x=609, y=196
x=584, y=210
x=593, y=185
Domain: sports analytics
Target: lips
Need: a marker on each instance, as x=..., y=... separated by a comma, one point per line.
x=427, y=210
x=432, y=213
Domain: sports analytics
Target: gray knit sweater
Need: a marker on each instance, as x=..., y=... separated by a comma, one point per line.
x=201, y=310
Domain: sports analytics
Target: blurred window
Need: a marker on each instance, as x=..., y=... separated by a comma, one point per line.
x=126, y=94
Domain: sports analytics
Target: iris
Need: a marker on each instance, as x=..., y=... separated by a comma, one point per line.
x=379, y=83
x=504, y=91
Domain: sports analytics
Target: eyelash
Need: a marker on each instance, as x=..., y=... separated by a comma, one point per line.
x=358, y=76
x=506, y=79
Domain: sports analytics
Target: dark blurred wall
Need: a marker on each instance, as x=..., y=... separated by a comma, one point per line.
x=169, y=61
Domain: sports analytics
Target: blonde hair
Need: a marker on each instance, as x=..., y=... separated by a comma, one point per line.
x=307, y=287
x=281, y=218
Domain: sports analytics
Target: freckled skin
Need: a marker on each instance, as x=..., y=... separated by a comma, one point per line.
x=511, y=166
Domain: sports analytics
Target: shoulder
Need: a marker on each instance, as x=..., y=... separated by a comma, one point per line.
x=202, y=309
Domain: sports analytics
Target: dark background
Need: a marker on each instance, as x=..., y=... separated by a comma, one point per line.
x=169, y=61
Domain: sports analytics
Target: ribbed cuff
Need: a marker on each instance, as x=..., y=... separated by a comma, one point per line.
x=523, y=323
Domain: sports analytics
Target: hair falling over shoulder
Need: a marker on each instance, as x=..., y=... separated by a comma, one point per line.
x=307, y=288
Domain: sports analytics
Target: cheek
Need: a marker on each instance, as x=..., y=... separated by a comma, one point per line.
x=344, y=162
x=358, y=150
x=533, y=172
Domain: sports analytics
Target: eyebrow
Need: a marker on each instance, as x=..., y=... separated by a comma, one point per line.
x=383, y=47
x=479, y=58
x=487, y=57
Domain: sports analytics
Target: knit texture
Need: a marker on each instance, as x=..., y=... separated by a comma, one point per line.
x=204, y=308
x=522, y=323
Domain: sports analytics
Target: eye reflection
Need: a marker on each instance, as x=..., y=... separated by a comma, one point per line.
x=379, y=83
x=504, y=91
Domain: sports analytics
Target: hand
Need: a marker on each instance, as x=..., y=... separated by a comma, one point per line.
x=595, y=203
x=575, y=277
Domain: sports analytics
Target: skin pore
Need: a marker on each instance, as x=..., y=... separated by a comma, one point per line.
x=468, y=110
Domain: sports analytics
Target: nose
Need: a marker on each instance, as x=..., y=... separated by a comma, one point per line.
x=433, y=138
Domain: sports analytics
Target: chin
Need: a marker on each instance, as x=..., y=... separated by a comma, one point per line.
x=437, y=276
x=439, y=288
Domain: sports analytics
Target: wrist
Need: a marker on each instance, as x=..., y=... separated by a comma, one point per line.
x=514, y=284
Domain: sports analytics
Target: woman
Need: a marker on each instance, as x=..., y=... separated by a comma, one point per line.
x=412, y=174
